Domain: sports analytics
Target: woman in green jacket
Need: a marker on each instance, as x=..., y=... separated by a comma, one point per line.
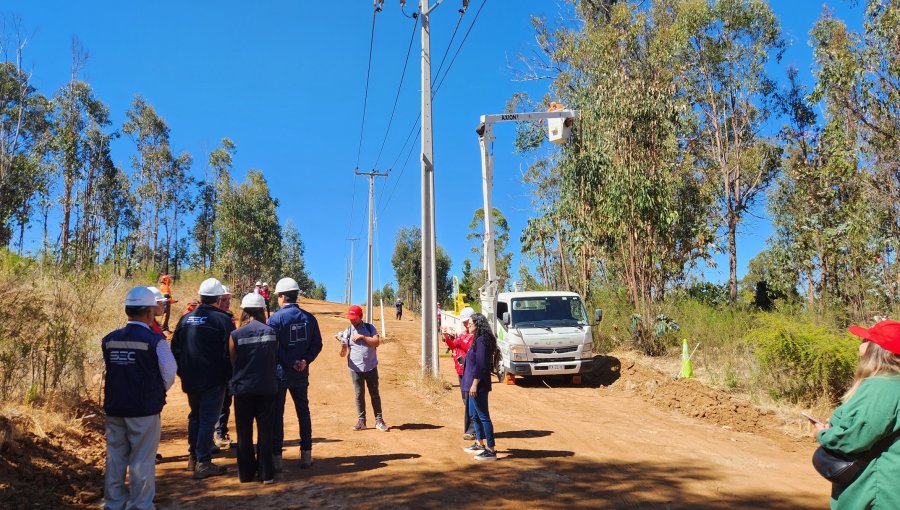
x=870, y=412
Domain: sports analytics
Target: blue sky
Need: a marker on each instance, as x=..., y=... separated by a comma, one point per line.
x=285, y=81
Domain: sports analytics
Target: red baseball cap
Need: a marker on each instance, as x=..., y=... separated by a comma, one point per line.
x=355, y=312
x=886, y=334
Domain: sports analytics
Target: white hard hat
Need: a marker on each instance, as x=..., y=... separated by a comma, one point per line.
x=258, y=283
x=253, y=300
x=211, y=287
x=158, y=293
x=286, y=285
x=226, y=291
x=140, y=296
x=466, y=313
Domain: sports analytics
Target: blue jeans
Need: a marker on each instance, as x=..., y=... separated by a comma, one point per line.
x=299, y=393
x=205, y=408
x=481, y=417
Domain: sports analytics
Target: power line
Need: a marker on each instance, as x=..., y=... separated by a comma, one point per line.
x=366, y=94
x=449, y=44
x=399, y=88
x=459, y=48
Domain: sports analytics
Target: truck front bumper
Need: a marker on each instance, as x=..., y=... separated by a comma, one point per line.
x=568, y=367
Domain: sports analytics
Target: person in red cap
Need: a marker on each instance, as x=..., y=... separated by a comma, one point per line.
x=359, y=343
x=868, y=422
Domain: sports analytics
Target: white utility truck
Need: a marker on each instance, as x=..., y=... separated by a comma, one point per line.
x=540, y=332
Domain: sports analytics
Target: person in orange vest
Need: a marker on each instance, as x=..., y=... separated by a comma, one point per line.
x=166, y=288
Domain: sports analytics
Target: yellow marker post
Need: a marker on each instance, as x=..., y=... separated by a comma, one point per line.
x=687, y=370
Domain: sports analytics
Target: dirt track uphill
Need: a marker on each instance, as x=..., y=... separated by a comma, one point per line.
x=643, y=441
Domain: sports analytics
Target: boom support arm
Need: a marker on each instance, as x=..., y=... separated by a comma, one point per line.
x=486, y=138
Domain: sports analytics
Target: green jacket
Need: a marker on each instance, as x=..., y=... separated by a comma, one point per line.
x=872, y=413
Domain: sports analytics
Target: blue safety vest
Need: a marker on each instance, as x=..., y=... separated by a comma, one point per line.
x=134, y=385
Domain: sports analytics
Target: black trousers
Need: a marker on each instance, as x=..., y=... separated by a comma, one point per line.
x=468, y=426
x=248, y=408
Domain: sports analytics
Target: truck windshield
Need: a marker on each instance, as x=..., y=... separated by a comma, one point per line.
x=548, y=311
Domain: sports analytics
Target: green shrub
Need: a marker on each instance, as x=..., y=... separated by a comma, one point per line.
x=800, y=361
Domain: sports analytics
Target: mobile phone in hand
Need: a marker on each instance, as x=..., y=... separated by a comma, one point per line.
x=812, y=419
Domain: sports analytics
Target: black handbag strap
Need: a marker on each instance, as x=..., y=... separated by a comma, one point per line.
x=880, y=447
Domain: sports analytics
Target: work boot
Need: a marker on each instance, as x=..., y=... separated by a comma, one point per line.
x=192, y=463
x=306, y=459
x=278, y=463
x=207, y=469
x=223, y=441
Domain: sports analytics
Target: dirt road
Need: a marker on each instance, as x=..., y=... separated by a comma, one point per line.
x=560, y=447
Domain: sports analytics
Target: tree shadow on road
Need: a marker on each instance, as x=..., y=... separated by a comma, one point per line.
x=520, y=479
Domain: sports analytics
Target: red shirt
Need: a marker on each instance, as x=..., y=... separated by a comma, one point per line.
x=460, y=345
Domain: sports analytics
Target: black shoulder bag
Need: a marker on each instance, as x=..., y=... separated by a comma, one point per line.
x=841, y=470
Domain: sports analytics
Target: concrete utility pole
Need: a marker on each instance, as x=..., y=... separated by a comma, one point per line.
x=346, y=280
x=429, y=289
x=350, y=282
x=372, y=175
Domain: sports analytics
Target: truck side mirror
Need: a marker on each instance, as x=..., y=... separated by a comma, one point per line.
x=505, y=318
x=598, y=315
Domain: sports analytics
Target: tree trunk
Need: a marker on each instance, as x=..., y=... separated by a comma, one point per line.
x=732, y=257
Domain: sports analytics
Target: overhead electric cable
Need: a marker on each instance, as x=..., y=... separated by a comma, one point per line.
x=366, y=94
x=458, y=49
x=399, y=88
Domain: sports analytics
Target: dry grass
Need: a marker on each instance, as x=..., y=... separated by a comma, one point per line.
x=428, y=388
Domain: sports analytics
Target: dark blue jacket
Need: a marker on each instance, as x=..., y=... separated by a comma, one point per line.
x=134, y=385
x=256, y=353
x=478, y=365
x=298, y=338
x=200, y=347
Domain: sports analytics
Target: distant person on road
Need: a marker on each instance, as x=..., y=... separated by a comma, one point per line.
x=222, y=439
x=870, y=418
x=399, y=306
x=166, y=288
x=253, y=350
x=200, y=345
x=476, y=380
x=299, y=343
x=139, y=370
x=359, y=343
x=459, y=344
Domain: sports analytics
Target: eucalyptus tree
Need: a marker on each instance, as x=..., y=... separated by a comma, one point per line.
x=725, y=80
x=218, y=177
x=407, y=263
x=503, y=259
x=628, y=189
x=858, y=78
x=24, y=124
x=249, y=235
x=151, y=164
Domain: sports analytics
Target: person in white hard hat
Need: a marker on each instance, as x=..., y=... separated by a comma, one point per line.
x=222, y=438
x=254, y=353
x=139, y=370
x=200, y=345
x=459, y=342
x=162, y=302
x=299, y=342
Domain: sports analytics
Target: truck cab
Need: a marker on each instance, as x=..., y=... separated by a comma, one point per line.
x=542, y=333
